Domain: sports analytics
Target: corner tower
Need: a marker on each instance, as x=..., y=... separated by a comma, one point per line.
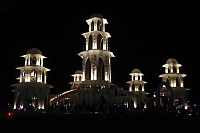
x=172, y=75
x=173, y=86
x=32, y=89
x=77, y=79
x=96, y=59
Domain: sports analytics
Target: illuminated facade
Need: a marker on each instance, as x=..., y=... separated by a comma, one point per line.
x=96, y=59
x=92, y=90
x=172, y=90
x=136, y=86
x=91, y=86
x=32, y=89
x=78, y=78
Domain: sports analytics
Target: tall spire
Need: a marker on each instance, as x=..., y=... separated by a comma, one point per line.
x=96, y=57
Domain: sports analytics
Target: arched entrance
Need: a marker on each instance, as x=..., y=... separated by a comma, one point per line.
x=100, y=70
x=88, y=70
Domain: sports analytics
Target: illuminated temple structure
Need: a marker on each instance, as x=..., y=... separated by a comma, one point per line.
x=92, y=85
x=92, y=89
x=172, y=91
x=136, y=86
x=32, y=89
x=96, y=59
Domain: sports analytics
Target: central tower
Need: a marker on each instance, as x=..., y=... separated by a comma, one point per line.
x=96, y=59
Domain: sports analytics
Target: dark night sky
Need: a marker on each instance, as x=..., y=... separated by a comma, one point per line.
x=143, y=36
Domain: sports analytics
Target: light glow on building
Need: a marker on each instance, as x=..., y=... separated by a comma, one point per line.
x=32, y=80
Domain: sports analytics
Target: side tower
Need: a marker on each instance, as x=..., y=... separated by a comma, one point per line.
x=78, y=77
x=173, y=84
x=136, y=83
x=136, y=86
x=96, y=59
x=32, y=89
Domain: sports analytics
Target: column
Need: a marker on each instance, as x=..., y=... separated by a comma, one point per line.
x=130, y=87
x=95, y=73
x=165, y=79
x=135, y=103
x=90, y=26
x=181, y=82
x=41, y=77
x=25, y=77
x=171, y=83
x=166, y=69
x=142, y=87
x=145, y=105
x=136, y=88
x=103, y=27
x=95, y=25
x=38, y=61
x=136, y=77
x=41, y=61
x=25, y=61
x=175, y=83
x=20, y=78
x=186, y=106
x=104, y=43
x=86, y=43
x=29, y=77
x=94, y=45
x=14, y=107
x=171, y=70
x=92, y=74
x=109, y=70
x=45, y=77
x=106, y=76
x=83, y=78
x=29, y=61
x=38, y=77
x=177, y=69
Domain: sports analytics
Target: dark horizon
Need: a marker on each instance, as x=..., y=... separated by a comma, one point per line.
x=145, y=36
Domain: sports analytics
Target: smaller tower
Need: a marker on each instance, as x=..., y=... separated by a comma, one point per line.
x=32, y=89
x=33, y=70
x=173, y=85
x=136, y=86
x=136, y=83
x=172, y=75
x=78, y=78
